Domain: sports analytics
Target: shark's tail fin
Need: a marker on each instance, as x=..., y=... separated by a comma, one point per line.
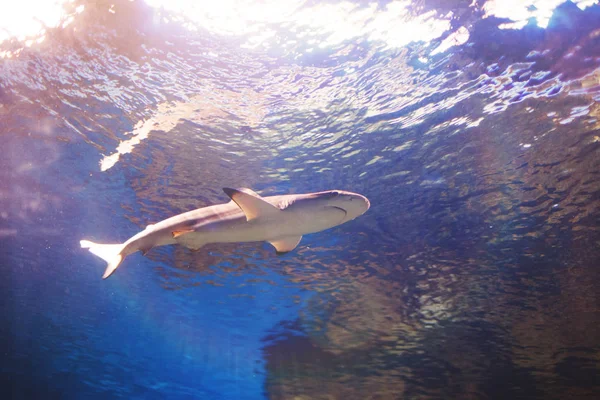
x=111, y=253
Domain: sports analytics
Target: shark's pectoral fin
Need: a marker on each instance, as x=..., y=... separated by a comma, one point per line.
x=252, y=205
x=191, y=241
x=286, y=244
x=180, y=232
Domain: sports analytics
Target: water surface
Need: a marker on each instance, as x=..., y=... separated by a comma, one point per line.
x=472, y=129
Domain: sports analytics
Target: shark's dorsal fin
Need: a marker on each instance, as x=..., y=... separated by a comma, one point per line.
x=286, y=244
x=249, y=191
x=252, y=205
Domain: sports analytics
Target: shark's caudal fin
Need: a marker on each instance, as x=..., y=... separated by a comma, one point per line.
x=111, y=253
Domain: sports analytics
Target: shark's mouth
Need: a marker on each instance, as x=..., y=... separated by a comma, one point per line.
x=340, y=208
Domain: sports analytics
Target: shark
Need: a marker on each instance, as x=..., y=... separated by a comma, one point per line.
x=281, y=220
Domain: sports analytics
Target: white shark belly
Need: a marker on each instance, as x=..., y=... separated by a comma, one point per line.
x=237, y=230
x=288, y=223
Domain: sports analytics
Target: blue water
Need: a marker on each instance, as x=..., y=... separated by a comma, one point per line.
x=473, y=275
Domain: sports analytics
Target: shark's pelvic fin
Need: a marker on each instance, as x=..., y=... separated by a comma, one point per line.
x=252, y=205
x=286, y=244
x=145, y=250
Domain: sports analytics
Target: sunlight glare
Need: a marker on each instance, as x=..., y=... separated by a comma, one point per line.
x=27, y=18
x=327, y=24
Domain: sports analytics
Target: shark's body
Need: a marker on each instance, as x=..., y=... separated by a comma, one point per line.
x=280, y=220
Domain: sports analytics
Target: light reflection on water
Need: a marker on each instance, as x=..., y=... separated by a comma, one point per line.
x=473, y=274
x=262, y=23
x=521, y=11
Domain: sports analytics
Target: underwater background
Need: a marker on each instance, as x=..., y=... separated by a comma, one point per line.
x=471, y=126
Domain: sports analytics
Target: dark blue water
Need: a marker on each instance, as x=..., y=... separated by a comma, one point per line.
x=474, y=275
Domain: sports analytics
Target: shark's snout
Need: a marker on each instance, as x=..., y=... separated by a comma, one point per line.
x=366, y=202
x=353, y=204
